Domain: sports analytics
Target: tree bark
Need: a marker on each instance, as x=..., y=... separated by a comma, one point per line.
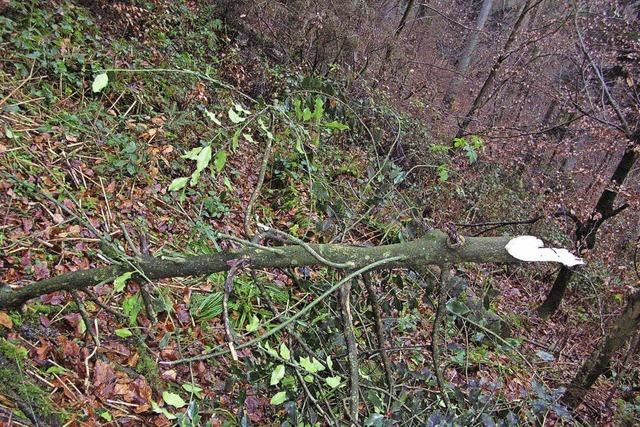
x=554, y=298
x=506, y=51
x=586, y=233
x=617, y=336
x=465, y=58
x=430, y=249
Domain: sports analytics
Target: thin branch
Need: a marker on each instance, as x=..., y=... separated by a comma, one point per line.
x=603, y=83
x=352, y=349
x=228, y=287
x=443, y=286
x=377, y=314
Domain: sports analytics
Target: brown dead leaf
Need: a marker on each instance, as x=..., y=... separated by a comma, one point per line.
x=104, y=380
x=5, y=320
x=169, y=375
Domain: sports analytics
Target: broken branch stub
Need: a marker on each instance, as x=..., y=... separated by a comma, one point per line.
x=531, y=249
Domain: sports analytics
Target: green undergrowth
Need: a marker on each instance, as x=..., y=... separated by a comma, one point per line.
x=17, y=385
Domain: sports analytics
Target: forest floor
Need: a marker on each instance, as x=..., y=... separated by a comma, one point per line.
x=125, y=160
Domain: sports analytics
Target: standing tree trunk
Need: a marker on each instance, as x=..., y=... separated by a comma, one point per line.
x=465, y=58
x=396, y=34
x=619, y=333
x=506, y=51
x=586, y=233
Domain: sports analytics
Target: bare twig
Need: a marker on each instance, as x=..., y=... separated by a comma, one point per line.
x=85, y=317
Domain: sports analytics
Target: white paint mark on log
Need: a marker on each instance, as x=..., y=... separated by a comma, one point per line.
x=530, y=248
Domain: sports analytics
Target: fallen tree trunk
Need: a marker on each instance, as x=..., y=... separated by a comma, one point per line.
x=433, y=248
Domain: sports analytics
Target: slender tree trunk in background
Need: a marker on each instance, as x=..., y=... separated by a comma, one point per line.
x=405, y=16
x=506, y=51
x=465, y=58
x=617, y=336
x=399, y=28
x=548, y=115
x=586, y=233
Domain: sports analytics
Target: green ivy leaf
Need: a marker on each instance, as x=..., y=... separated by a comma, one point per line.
x=131, y=307
x=284, y=351
x=235, y=117
x=227, y=183
x=123, y=333
x=235, y=140
x=204, y=157
x=195, y=178
x=192, y=154
x=457, y=307
x=279, y=398
x=192, y=388
x=443, y=173
x=240, y=109
x=221, y=160
x=178, y=183
x=335, y=125
x=296, y=104
x=160, y=410
x=173, y=399
x=100, y=82
x=121, y=280
x=212, y=117
x=312, y=366
x=318, y=108
x=306, y=363
x=277, y=374
x=252, y=326
x=104, y=414
x=333, y=382
x=270, y=350
x=306, y=114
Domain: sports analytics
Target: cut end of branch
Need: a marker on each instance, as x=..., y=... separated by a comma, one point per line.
x=531, y=249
